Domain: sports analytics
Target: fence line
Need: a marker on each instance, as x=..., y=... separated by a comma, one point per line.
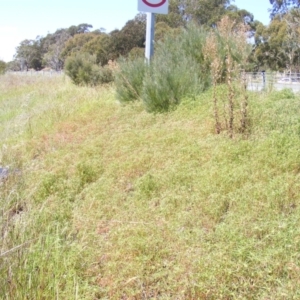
x=36, y=73
x=258, y=81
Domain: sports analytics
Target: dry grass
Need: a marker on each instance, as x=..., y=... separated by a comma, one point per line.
x=116, y=203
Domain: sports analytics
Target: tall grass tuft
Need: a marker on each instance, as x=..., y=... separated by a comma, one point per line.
x=129, y=79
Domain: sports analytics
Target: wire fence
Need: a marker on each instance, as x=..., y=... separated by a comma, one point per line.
x=36, y=73
x=273, y=81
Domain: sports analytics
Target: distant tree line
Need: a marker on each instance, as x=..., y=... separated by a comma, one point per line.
x=275, y=46
x=53, y=49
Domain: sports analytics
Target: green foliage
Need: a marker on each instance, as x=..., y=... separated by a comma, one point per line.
x=76, y=43
x=192, y=41
x=175, y=18
x=129, y=79
x=2, y=67
x=136, y=52
x=107, y=46
x=105, y=75
x=177, y=70
x=29, y=54
x=81, y=28
x=277, y=45
x=206, y=12
x=162, y=29
x=172, y=75
x=52, y=50
x=130, y=36
x=99, y=45
x=282, y=94
x=270, y=40
x=83, y=70
x=53, y=45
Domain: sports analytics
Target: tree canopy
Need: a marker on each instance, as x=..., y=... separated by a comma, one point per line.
x=276, y=45
x=282, y=6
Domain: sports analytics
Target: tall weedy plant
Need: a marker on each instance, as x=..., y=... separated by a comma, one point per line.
x=211, y=53
x=227, y=51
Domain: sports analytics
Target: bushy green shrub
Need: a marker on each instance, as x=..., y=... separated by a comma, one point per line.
x=129, y=79
x=172, y=75
x=178, y=69
x=192, y=41
x=83, y=70
x=136, y=52
x=106, y=75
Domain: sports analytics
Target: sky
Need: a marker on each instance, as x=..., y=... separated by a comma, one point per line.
x=27, y=19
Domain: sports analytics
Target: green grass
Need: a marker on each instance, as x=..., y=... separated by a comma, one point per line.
x=117, y=203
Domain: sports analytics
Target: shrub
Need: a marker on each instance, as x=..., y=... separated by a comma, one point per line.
x=83, y=70
x=192, y=41
x=172, y=76
x=178, y=69
x=129, y=79
x=105, y=75
x=136, y=52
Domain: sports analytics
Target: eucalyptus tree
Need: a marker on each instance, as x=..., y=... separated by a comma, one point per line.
x=76, y=43
x=277, y=46
x=53, y=46
x=99, y=46
x=132, y=35
x=283, y=6
x=29, y=54
x=203, y=12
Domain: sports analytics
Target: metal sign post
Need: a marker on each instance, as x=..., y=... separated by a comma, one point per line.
x=152, y=7
x=150, y=32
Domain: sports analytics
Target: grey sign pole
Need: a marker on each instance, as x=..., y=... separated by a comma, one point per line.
x=150, y=31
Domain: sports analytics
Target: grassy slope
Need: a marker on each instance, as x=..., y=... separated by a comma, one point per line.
x=116, y=203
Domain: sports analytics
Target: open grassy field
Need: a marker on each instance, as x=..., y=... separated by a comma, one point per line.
x=105, y=201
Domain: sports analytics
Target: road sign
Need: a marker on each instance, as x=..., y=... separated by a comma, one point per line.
x=154, y=6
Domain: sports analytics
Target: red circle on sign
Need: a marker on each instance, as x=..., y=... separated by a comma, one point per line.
x=162, y=2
